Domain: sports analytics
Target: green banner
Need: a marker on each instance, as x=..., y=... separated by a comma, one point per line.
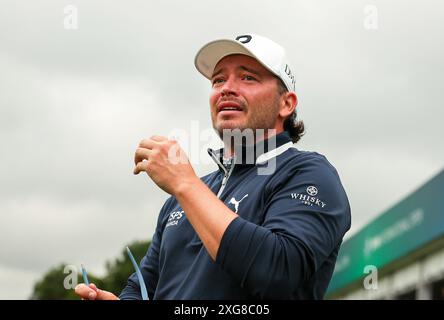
x=410, y=224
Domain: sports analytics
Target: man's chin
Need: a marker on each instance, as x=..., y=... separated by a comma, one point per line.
x=227, y=123
x=229, y=126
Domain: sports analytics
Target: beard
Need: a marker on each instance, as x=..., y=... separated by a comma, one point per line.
x=261, y=117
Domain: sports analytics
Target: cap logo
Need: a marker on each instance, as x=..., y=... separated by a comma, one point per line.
x=289, y=74
x=244, y=38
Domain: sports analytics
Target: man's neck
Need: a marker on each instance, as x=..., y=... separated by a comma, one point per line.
x=229, y=144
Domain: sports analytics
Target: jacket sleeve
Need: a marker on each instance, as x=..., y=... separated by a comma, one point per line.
x=305, y=218
x=149, y=266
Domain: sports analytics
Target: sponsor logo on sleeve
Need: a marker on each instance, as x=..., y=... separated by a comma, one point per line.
x=309, y=198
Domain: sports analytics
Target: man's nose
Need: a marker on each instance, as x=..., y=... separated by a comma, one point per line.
x=229, y=87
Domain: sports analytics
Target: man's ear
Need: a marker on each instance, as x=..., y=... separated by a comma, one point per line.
x=288, y=105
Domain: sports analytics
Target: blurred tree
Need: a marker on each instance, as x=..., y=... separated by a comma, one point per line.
x=121, y=268
x=52, y=284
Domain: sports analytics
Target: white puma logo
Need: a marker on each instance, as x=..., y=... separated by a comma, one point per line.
x=236, y=203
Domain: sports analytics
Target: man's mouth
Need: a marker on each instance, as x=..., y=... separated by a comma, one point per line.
x=229, y=106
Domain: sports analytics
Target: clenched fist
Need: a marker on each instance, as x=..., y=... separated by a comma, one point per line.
x=166, y=164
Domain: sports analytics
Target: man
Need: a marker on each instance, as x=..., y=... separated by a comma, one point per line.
x=237, y=233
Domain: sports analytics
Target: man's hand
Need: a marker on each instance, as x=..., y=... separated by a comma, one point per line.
x=166, y=164
x=93, y=293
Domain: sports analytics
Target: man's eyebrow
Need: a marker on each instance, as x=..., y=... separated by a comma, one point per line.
x=241, y=67
x=217, y=72
x=250, y=70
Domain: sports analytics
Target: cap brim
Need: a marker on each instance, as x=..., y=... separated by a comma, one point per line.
x=211, y=53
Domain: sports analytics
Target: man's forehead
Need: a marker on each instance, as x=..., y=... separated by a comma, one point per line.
x=239, y=61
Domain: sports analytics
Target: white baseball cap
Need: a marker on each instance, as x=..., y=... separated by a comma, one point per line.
x=270, y=54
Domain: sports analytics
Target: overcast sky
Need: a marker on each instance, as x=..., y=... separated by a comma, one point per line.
x=74, y=103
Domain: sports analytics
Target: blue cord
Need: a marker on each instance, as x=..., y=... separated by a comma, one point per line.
x=143, y=290
x=139, y=276
x=85, y=277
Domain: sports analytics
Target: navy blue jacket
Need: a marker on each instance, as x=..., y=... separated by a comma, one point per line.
x=283, y=245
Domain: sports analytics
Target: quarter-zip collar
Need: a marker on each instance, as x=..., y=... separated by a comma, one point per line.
x=258, y=153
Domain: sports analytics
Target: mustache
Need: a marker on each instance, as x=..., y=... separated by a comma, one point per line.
x=234, y=100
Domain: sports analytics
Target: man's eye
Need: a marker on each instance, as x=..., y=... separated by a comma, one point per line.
x=249, y=78
x=218, y=80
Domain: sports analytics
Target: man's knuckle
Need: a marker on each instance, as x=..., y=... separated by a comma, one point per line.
x=168, y=145
x=139, y=151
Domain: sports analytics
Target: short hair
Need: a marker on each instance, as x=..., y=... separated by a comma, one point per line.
x=294, y=127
